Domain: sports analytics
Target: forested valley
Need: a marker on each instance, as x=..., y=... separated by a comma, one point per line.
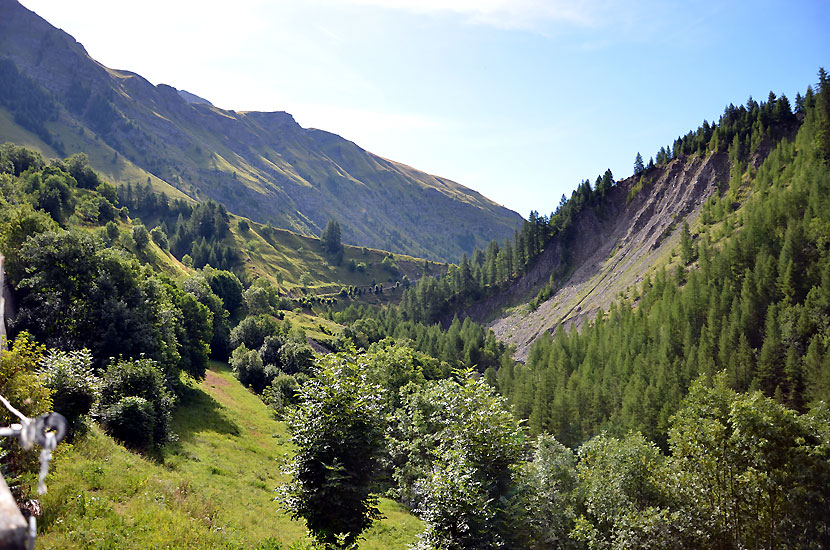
x=692, y=414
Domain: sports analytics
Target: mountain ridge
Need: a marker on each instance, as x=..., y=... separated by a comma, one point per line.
x=262, y=165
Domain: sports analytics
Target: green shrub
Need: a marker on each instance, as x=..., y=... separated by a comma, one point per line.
x=132, y=420
x=270, y=350
x=140, y=236
x=281, y=392
x=248, y=368
x=160, y=238
x=24, y=389
x=70, y=375
x=138, y=378
x=296, y=357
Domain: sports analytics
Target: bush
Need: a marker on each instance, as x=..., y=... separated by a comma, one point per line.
x=70, y=375
x=140, y=236
x=295, y=357
x=281, y=392
x=270, y=350
x=132, y=420
x=253, y=330
x=248, y=368
x=24, y=389
x=137, y=378
x=160, y=238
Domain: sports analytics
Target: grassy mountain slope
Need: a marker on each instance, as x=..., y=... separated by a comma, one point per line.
x=261, y=165
x=214, y=488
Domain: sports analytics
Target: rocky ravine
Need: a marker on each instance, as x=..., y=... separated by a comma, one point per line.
x=613, y=251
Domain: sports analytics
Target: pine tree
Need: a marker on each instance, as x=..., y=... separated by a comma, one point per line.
x=331, y=238
x=639, y=168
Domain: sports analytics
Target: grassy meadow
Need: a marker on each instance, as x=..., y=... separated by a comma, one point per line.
x=213, y=488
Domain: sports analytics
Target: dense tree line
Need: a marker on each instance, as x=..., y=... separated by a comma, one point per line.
x=31, y=105
x=461, y=345
x=196, y=230
x=432, y=298
x=753, y=301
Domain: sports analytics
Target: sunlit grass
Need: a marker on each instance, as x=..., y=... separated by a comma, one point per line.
x=213, y=488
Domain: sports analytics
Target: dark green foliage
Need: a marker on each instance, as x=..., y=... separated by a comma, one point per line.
x=220, y=340
x=107, y=191
x=822, y=113
x=78, y=167
x=51, y=191
x=461, y=345
x=331, y=242
x=17, y=223
x=15, y=160
x=198, y=231
x=226, y=286
x=75, y=386
x=296, y=357
x=194, y=331
x=749, y=472
x=257, y=300
x=74, y=294
x=142, y=379
x=337, y=429
x=160, y=238
x=140, y=236
x=253, y=330
x=639, y=167
x=281, y=392
x=131, y=420
x=31, y=105
x=687, y=250
x=270, y=350
x=743, y=127
x=331, y=238
x=248, y=368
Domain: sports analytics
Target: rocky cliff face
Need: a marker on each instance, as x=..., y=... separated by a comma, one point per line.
x=261, y=165
x=615, y=248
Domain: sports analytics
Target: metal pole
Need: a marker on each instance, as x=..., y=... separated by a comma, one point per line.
x=13, y=526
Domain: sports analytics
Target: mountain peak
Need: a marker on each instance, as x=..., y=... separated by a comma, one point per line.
x=193, y=98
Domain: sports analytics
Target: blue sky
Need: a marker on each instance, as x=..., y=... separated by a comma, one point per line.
x=518, y=99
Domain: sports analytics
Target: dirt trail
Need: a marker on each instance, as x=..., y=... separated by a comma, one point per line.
x=614, y=251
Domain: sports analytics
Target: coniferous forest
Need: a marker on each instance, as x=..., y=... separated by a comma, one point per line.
x=692, y=413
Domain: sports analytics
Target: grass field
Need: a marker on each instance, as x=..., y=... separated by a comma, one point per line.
x=213, y=488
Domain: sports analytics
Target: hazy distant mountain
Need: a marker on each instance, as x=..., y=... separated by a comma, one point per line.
x=260, y=164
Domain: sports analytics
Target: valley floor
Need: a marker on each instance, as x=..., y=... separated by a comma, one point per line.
x=213, y=488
